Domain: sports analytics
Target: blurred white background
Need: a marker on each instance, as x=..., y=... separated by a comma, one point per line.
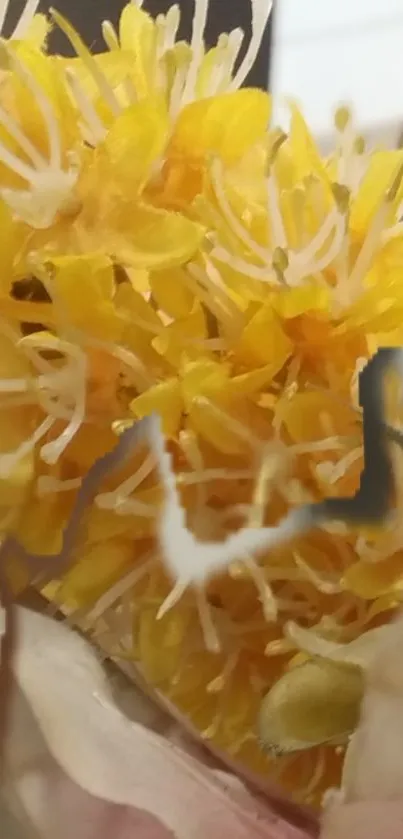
x=350, y=51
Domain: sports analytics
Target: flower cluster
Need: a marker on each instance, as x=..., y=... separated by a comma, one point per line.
x=163, y=251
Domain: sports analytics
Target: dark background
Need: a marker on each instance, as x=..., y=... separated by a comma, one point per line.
x=87, y=15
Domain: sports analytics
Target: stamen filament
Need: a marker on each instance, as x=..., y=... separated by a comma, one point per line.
x=89, y=61
x=197, y=47
x=113, y=500
x=209, y=630
x=9, y=460
x=261, y=10
x=110, y=35
x=232, y=220
x=23, y=141
x=92, y=128
x=47, y=485
x=25, y=19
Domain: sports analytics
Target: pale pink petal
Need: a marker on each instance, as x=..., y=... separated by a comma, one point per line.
x=372, y=788
x=84, y=749
x=371, y=820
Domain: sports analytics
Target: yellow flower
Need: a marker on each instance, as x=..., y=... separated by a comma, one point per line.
x=163, y=251
x=157, y=62
x=193, y=87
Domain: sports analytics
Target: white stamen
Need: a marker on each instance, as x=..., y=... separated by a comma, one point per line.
x=197, y=47
x=3, y=12
x=261, y=10
x=191, y=450
x=110, y=36
x=209, y=630
x=169, y=28
x=195, y=279
x=393, y=232
x=45, y=107
x=333, y=251
x=332, y=222
x=74, y=381
x=50, y=185
x=92, y=129
x=15, y=164
x=221, y=681
x=100, y=79
x=369, y=247
x=277, y=230
x=25, y=144
x=332, y=472
x=173, y=598
x=232, y=220
x=210, y=475
x=132, y=507
x=117, y=591
x=229, y=422
x=263, y=275
x=9, y=460
x=215, y=285
x=230, y=45
x=266, y=596
x=315, y=780
x=318, y=445
x=324, y=584
x=113, y=500
x=280, y=646
x=175, y=102
x=47, y=485
x=25, y=20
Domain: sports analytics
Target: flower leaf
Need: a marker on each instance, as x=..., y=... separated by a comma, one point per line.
x=313, y=704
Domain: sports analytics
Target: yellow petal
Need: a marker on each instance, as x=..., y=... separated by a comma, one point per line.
x=305, y=156
x=171, y=293
x=203, y=378
x=361, y=651
x=10, y=242
x=152, y=238
x=226, y=125
x=263, y=341
x=135, y=305
x=213, y=428
x=140, y=324
x=13, y=363
x=14, y=429
x=134, y=142
x=308, y=297
x=23, y=103
x=155, y=635
x=84, y=287
x=372, y=580
x=114, y=66
x=315, y=703
x=138, y=35
x=164, y=399
x=303, y=416
x=382, y=168
x=95, y=571
x=41, y=527
x=37, y=32
x=178, y=341
x=253, y=382
x=223, y=421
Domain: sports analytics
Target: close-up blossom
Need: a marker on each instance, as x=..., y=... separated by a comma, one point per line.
x=188, y=294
